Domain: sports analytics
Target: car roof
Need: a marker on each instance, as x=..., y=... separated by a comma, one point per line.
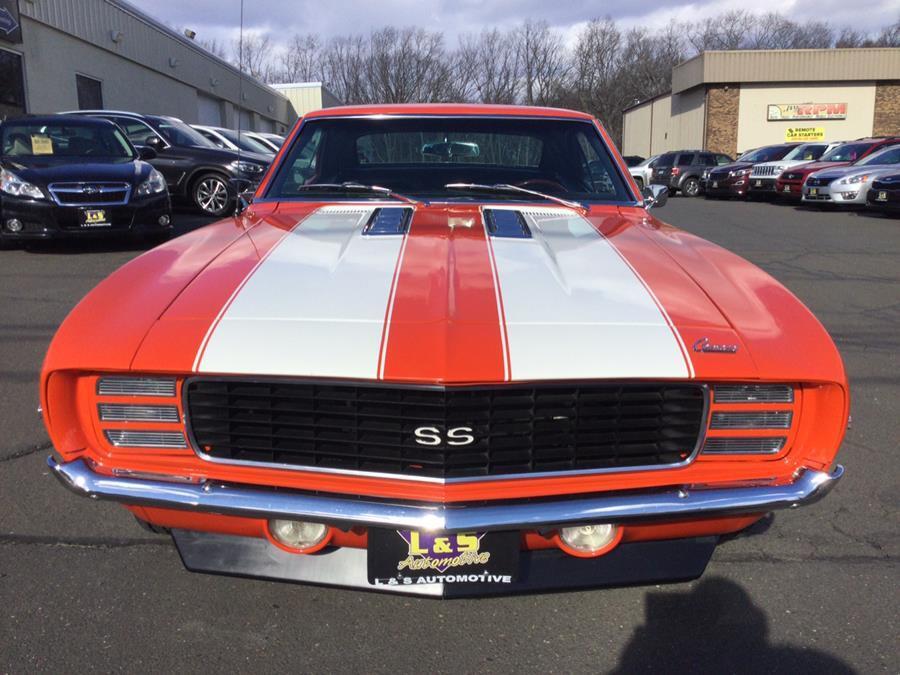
x=449, y=109
x=56, y=119
x=124, y=113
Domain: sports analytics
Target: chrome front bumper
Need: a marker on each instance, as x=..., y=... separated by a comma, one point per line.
x=249, y=502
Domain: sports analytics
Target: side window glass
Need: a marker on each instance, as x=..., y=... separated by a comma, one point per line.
x=137, y=132
x=304, y=167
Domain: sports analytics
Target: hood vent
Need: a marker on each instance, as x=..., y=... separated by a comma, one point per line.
x=506, y=223
x=388, y=220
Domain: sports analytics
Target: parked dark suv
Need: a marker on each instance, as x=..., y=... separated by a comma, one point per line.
x=681, y=171
x=194, y=168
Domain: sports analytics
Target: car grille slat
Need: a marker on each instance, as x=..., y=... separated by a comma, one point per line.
x=518, y=429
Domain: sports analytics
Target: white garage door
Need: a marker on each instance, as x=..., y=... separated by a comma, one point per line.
x=209, y=110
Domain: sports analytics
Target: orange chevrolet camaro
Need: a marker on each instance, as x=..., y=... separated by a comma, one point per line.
x=446, y=350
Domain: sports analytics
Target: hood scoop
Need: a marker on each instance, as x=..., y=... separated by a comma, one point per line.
x=506, y=223
x=388, y=220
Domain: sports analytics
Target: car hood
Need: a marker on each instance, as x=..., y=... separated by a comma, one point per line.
x=302, y=290
x=734, y=166
x=786, y=163
x=43, y=171
x=841, y=171
x=810, y=167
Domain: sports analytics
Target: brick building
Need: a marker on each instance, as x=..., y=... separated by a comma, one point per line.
x=732, y=101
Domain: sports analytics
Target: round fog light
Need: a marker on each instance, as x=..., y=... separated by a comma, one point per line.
x=299, y=535
x=588, y=541
x=14, y=225
x=163, y=220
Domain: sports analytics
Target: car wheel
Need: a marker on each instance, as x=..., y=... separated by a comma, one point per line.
x=691, y=187
x=211, y=194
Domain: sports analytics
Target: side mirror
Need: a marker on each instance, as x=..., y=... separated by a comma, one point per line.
x=655, y=196
x=146, y=153
x=243, y=202
x=154, y=142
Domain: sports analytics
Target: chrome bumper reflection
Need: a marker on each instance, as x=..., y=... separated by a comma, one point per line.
x=249, y=502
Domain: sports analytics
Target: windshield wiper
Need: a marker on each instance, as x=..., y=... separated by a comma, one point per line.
x=505, y=187
x=359, y=187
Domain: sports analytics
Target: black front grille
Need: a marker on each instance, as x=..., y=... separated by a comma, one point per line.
x=815, y=182
x=88, y=194
x=517, y=429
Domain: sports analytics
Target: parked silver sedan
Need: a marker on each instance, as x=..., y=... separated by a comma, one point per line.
x=849, y=185
x=643, y=172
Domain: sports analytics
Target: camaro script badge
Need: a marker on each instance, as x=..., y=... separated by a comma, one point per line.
x=704, y=345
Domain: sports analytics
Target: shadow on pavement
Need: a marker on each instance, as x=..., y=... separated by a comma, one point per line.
x=714, y=628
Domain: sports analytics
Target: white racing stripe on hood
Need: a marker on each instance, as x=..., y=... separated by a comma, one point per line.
x=315, y=307
x=574, y=308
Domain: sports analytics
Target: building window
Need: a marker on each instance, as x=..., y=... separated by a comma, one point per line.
x=12, y=85
x=90, y=93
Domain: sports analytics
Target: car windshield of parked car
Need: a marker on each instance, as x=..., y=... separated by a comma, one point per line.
x=244, y=142
x=849, y=152
x=421, y=156
x=766, y=154
x=24, y=139
x=807, y=152
x=889, y=155
x=179, y=133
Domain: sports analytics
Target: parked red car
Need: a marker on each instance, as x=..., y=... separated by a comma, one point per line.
x=733, y=180
x=790, y=184
x=496, y=373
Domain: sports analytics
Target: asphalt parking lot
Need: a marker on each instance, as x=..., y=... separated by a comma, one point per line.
x=82, y=587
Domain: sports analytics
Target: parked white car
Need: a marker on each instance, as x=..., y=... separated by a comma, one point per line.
x=272, y=141
x=850, y=185
x=232, y=140
x=764, y=175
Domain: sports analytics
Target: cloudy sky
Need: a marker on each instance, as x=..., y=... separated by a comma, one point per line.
x=219, y=19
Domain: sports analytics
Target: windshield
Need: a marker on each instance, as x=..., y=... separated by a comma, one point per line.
x=849, y=152
x=420, y=156
x=179, y=133
x=23, y=139
x=766, y=154
x=889, y=155
x=244, y=142
x=807, y=152
x=647, y=161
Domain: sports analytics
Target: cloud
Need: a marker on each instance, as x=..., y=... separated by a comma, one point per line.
x=220, y=19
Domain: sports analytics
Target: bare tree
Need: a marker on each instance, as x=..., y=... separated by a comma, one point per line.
x=214, y=47
x=253, y=56
x=406, y=65
x=544, y=63
x=343, y=64
x=488, y=66
x=301, y=60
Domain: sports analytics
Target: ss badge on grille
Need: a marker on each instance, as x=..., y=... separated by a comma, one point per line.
x=455, y=436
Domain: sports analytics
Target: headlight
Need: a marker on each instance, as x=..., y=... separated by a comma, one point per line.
x=779, y=169
x=153, y=185
x=248, y=167
x=11, y=184
x=852, y=180
x=740, y=172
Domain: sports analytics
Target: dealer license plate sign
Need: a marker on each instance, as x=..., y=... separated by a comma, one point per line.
x=715, y=183
x=94, y=218
x=813, y=191
x=407, y=557
x=882, y=196
x=787, y=188
x=757, y=183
